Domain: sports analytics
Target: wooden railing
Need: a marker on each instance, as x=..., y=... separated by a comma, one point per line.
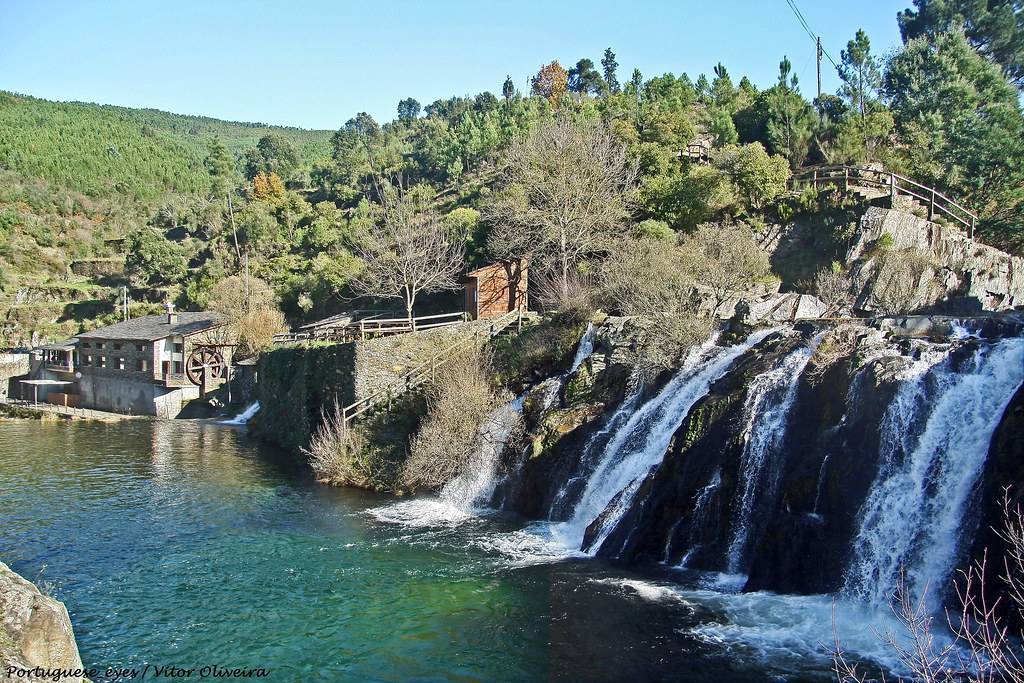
x=421, y=373
x=373, y=327
x=895, y=184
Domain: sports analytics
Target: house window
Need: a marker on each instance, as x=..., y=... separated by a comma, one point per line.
x=99, y=345
x=179, y=347
x=102, y=362
x=86, y=360
x=120, y=363
x=117, y=347
x=177, y=367
x=85, y=345
x=142, y=365
x=140, y=347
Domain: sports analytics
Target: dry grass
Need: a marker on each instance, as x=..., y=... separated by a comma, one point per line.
x=335, y=452
x=459, y=400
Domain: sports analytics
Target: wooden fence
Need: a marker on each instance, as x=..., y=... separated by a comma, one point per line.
x=894, y=184
x=421, y=373
x=373, y=327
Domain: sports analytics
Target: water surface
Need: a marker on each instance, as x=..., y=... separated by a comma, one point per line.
x=187, y=543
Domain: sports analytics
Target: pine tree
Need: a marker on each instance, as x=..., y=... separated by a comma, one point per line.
x=609, y=65
x=860, y=73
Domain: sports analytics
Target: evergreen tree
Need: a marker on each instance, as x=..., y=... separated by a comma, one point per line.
x=508, y=90
x=584, y=78
x=408, y=109
x=790, y=119
x=609, y=66
x=860, y=73
x=994, y=27
x=220, y=164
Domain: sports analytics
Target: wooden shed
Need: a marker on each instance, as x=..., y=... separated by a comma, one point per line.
x=496, y=289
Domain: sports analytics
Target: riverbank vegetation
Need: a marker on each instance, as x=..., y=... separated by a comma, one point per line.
x=186, y=202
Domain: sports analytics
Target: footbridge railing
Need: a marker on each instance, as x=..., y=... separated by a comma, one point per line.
x=372, y=327
x=421, y=373
x=894, y=184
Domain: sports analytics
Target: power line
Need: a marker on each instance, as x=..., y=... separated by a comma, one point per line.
x=813, y=36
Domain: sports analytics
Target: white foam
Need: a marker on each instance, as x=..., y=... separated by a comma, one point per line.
x=244, y=416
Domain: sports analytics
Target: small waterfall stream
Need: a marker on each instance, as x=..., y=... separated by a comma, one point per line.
x=769, y=400
x=936, y=439
x=243, y=417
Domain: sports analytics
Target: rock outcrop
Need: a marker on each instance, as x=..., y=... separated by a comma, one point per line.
x=35, y=630
x=965, y=274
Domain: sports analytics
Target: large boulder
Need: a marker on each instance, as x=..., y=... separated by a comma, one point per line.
x=778, y=308
x=35, y=630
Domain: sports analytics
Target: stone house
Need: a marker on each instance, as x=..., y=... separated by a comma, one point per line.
x=136, y=366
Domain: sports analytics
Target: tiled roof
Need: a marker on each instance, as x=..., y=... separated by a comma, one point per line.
x=152, y=327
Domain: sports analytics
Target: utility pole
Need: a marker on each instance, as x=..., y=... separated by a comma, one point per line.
x=821, y=109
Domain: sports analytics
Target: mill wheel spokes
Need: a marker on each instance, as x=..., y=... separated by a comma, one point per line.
x=204, y=362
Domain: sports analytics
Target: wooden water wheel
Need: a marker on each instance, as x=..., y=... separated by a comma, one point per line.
x=206, y=364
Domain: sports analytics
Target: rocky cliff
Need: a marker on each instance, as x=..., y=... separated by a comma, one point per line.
x=962, y=274
x=35, y=630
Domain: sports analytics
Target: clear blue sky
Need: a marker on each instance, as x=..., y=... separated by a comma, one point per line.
x=316, y=63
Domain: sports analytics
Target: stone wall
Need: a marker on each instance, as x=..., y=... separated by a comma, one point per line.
x=35, y=629
x=298, y=383
x=12, y=365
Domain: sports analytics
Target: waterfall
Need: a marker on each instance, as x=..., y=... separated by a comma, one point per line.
x=475, y=485
x=821, y=484
x=585, y=348
x=243, y=417
x=598, y=438
x=769, y=399
x=699, y=518
x=936, y=436
x=641, y=442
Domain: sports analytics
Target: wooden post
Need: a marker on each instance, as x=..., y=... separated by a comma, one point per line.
x=931, y=207
x=519, y=322
x=970, y=233
x=362, y=330
x=846, y=179
x=892, y=190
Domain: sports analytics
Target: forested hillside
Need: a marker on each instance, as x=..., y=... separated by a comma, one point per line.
x=102, y=150
x=172, y=206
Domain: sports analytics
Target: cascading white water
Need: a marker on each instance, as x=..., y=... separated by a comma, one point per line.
x=641, y=442
x=615, y=422
x=476, y=483
x=699, y=517
x=913, y=518
x=474, y=487
x=584, y=349
x=770, y=397
x=243, y=417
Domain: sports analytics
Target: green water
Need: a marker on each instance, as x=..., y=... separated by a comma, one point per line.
x=186, y=543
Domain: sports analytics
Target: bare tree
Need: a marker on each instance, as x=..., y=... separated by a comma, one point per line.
x=834, y=287
x=336, y=453
x=407, y=252
x=983, y=649
x=725, y=259
x=250, y=306
x=567, y=193
x=650, y=278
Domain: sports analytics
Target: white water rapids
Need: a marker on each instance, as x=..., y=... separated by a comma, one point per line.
x=934, y=441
